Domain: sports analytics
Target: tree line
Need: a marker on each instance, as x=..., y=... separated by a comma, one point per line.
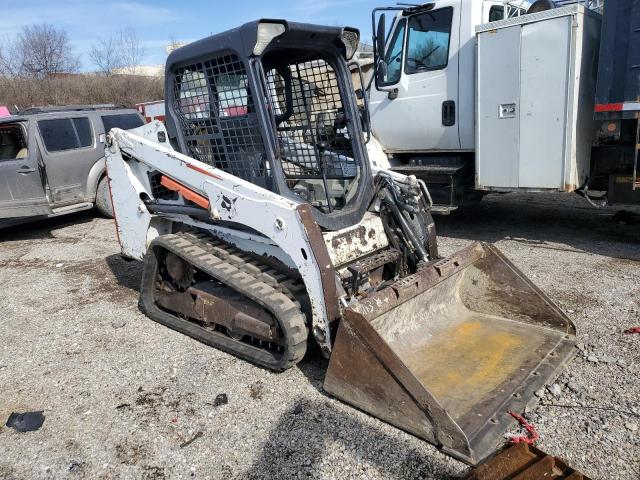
x=39, y=67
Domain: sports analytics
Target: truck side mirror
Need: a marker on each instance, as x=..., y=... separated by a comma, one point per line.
x=380, y=66
x=380, y=37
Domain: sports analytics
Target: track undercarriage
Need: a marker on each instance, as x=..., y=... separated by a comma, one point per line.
x=204, y=288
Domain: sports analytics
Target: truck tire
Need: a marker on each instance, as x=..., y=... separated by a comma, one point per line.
x=103, y=198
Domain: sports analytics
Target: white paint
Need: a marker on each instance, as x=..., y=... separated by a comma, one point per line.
x=357, y=241
x=231, y=198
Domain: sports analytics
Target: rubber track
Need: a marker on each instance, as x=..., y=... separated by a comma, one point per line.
x=271, y=289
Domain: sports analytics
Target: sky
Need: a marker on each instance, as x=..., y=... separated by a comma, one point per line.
x=160, y=21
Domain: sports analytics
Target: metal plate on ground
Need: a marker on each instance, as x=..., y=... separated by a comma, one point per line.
x=524, y=462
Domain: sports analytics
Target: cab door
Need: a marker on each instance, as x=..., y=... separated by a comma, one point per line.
x=22, y=189
x=415, y=109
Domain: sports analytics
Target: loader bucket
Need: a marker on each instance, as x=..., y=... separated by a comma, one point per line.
x=445, y=353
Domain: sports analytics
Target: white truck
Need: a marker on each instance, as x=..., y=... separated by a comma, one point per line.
x=479, y=96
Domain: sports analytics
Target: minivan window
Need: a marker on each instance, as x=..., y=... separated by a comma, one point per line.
x=65, y=133
x=428, y=40
x=83, y=129
x=125, y=121
x=12, y=143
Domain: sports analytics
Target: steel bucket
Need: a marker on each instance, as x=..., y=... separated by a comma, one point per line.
x=446, y=353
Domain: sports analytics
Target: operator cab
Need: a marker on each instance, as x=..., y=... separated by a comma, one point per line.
x=272, y=103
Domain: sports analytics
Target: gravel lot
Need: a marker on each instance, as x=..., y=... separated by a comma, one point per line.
x=122, y=394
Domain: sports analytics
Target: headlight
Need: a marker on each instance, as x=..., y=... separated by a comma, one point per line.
x=351, y=39
x=266, y=33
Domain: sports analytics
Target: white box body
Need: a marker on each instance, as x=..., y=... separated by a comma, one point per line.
x=535, y=85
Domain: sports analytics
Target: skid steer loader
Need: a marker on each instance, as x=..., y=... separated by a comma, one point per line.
x=261, y=223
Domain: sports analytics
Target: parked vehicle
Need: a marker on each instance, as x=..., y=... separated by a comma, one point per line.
x=52, y=160
x=151, y=110
x=481, y=96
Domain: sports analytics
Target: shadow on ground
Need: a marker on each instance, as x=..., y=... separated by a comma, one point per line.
x=304, y=438
x=41, y=229
x=128, y=273
x=544, y=221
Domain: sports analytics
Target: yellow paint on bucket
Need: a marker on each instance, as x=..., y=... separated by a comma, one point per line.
x=461, y=365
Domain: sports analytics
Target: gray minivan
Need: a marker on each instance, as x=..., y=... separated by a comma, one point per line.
x=52, y=159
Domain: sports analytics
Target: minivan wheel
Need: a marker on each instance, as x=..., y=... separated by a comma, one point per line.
x=103, y=198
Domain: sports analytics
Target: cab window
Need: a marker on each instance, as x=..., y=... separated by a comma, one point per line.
x=496, y=13
x=428, y=41
x=393, y=56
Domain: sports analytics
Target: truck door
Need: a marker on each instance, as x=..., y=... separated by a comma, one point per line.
x=69, y=150
x=415, y=108
x=22, y=192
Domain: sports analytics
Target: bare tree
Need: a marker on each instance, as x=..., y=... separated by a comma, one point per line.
x=120, y=53
x=5, y=64
x=42, y=50
x=174, y=44
x=131, y=49
x=10, y=56
x=106, y=56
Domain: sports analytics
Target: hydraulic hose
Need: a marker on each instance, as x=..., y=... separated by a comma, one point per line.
x=390, y=202
x=196, y=212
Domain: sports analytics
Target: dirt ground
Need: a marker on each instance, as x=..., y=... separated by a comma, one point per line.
x=122, y=396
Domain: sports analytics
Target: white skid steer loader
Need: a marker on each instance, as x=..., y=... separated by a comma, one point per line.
x=260, y=220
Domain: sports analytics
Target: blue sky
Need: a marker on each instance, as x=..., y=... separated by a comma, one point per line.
x=158, y=21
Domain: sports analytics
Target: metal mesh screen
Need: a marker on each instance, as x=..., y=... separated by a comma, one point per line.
x=313, y=133
x=159, y=191
x=217, y=117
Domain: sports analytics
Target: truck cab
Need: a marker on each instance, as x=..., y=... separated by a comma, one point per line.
x=422, y=100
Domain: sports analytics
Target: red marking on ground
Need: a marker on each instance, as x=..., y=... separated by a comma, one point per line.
x=532, y=434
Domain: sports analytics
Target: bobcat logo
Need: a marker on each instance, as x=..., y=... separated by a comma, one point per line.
x=228, y=205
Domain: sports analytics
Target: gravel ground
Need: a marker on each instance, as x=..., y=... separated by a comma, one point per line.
x=123, y=395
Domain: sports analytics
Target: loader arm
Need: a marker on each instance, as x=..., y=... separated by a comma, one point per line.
x=283, y=222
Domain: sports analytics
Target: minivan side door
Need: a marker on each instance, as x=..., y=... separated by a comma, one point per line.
x=69, y=150
x=22, y=189
x=416, y=108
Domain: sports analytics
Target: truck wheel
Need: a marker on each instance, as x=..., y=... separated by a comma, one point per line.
x=103, y=198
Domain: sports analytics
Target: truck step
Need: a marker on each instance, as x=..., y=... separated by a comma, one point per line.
x=427, y=169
